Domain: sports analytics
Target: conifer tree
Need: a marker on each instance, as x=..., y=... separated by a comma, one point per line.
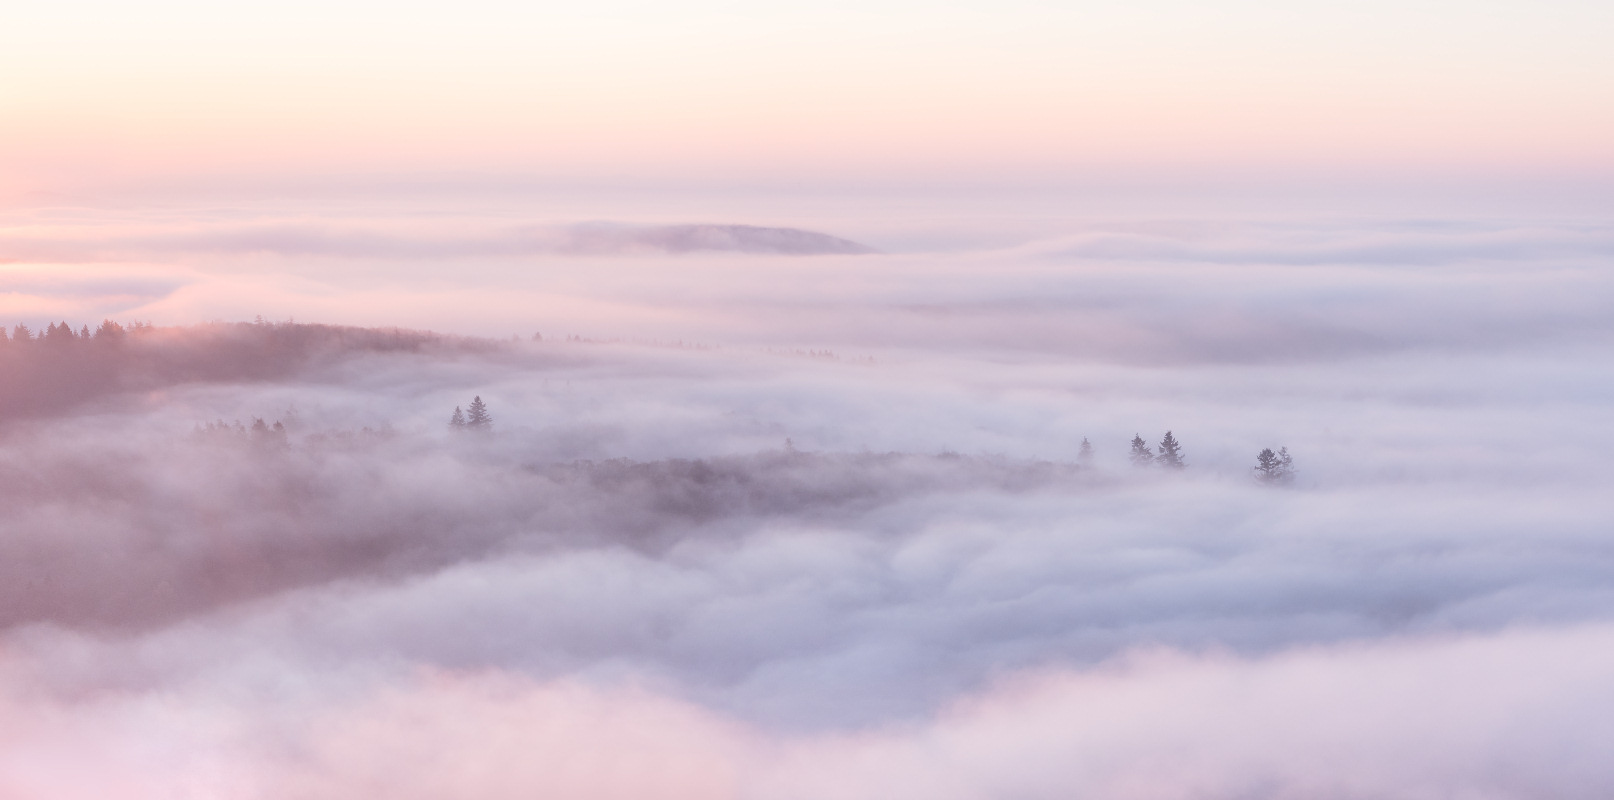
x=1274, y=469
x=457, y=422
x=1141, y=455
x=22, y=334
x=59, y=334
x=1170, y=455
x=1266, y=466
x=477, y=416
x=260, y=433
x=1085, y=455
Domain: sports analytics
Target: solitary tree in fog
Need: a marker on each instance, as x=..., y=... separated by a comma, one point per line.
x=477, y=417
x=457, y=422
x=1085, y=455
x=1170, y=455
x=1141, y=456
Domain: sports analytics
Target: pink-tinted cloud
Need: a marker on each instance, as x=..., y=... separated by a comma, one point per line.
x=1521, y=714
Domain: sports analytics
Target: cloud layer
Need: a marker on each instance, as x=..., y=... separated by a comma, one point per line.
x=767, y=527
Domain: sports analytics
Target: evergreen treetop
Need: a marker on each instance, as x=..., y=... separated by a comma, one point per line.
x=1141, y=455
x=1170, y=455
x=477, y=416
x=1274, y=469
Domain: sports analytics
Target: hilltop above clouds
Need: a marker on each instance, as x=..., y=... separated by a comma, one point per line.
x=404, y=239
x=616, y=238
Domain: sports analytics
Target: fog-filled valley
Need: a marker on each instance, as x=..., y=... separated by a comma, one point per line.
x=758, y=521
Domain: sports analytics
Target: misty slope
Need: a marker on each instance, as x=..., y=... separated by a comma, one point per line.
x=47, y=376
x=130, y=537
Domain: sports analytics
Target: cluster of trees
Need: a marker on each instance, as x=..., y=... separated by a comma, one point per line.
x=1271, y=468
x=1274, y=469
x=261, y=433
x=478, y=419
x=1169, y=457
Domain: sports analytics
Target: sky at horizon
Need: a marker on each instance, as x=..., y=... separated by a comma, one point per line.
x=1224, y=101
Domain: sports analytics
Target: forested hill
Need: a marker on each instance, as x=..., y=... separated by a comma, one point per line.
x=57, y=368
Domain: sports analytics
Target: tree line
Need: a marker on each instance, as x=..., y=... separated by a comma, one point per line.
x=48, y=371
x=63, y=333
x=260, y=433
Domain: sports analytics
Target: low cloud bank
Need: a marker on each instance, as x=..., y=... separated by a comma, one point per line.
x=350, y=241
x=765, y=529
x=638, y=511
x=1167, y=295
x=1514, y=715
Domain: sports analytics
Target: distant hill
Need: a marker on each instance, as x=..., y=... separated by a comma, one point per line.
x=604, y=238
x=588, y=238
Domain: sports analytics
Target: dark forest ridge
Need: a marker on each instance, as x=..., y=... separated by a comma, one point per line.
x=57, y=368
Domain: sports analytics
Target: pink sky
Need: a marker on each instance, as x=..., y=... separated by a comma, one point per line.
x=114, y=97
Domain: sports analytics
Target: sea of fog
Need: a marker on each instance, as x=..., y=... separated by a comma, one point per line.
x=759, y=523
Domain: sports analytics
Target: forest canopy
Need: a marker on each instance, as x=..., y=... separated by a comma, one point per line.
x=49, y=371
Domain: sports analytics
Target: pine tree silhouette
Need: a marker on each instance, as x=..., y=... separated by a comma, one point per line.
x=477, y=416
x=1274, y=469
x=1085, y=455
x=1141, y=456
x=457, y=422
x=1170, y=455
x=58, y=334
x=1266, y=466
